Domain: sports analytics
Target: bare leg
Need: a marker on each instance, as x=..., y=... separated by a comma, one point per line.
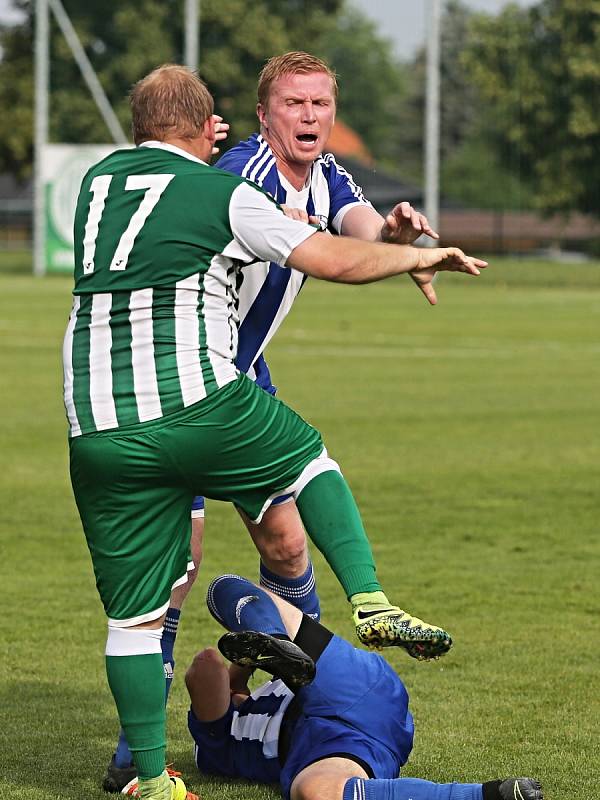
x=280, y=539
x=207, y=681
x=325, y=779
x=179, y=594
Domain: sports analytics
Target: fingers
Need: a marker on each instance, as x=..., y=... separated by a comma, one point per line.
x=221, y=128
x=296, y=213
x=425, y=283
x=457, y=261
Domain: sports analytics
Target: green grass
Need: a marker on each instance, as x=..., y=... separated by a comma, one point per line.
x=469, y=434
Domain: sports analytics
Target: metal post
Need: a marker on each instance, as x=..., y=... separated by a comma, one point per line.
x=41, y=68
x=87, y=71
x=432, y=115
x=192, y=33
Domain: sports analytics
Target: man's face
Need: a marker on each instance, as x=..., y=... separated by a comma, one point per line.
x=298, y=117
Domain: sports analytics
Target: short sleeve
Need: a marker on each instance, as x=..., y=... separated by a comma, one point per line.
x=344, y=192
x=261, y=229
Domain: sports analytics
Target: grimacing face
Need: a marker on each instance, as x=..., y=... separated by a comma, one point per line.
x=298, y=117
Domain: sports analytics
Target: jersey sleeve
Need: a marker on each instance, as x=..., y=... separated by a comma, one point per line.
x=344, y=193
x=261, y=230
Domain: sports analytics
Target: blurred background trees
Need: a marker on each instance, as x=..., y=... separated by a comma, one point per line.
x=519, y=91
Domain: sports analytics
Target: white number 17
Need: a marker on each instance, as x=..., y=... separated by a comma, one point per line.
x=154, y=185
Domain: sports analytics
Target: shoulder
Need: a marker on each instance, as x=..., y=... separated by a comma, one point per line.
x=241, y=154
x=331, y=168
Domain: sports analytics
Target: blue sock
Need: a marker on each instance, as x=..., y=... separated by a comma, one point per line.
x=241, y=606
x=166, y=645
x=409, y=789
x=300, y=592
x=123, y=757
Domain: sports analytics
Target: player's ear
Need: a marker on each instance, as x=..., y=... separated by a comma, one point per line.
x=262, y=115
x=208, y=129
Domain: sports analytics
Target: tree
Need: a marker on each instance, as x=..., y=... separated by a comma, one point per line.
x=539, y=73
x=126, y=40
x=372, y=84
x=459, y=102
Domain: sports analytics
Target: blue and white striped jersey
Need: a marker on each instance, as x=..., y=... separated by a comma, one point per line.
x=247, y=747
x=268, y=290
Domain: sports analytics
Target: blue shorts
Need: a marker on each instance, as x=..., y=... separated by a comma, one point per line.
x=360, y=710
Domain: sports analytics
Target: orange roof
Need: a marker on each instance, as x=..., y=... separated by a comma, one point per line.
x=345, y=142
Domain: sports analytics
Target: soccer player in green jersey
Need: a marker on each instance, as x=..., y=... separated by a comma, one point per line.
x=158, y=412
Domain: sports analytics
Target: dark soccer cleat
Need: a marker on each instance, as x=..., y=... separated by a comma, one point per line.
x=117, y=778
x=389, y=626
x=279, y=657
x=520, y=789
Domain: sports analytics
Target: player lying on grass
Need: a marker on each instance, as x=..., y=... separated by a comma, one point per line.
x=334, y=723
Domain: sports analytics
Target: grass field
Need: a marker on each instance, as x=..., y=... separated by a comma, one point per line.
x=469, y=434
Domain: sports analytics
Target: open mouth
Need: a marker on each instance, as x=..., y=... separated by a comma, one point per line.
x=307, y=138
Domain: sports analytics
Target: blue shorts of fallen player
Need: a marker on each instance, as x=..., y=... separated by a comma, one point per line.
x=356, y=707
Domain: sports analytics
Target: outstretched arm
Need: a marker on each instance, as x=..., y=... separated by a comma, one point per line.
x=346, y=260
x=403, y=225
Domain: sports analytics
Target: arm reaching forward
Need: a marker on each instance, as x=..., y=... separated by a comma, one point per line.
x=346, y=260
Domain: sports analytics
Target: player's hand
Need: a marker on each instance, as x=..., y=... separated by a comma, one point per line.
x=295, y=213
x=238, y=679
x=437, y=259
x=300, y=215
x=221, y=131
x=404, y=224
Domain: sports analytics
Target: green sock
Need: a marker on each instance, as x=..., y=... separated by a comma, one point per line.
x=138, y=686
x=332, y=520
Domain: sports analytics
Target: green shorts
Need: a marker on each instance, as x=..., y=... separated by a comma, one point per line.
x=134, y=487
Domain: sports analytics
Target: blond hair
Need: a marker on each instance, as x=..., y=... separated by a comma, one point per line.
x=171, y=101
x=292, y=63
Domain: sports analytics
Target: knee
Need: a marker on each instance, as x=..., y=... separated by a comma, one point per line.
x=287, y=551
x=205, y=660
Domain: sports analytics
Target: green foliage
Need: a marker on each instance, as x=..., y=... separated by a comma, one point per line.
x=473, y=173
x=372, y=84
x=126, y=40
x=467, y=434
x=458, y=100
x=539, y=73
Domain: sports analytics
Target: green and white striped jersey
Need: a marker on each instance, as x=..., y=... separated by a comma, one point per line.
x=160, y=240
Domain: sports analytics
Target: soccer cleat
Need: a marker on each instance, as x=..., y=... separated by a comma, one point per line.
x=116, y=778
x=520, y=789
x=161, y=790
x=279, y=657
x=387, y=626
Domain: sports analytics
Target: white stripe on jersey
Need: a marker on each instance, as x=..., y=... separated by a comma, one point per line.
x=68, y=369
x=101, y=382
x=145, y=383
x=268, y=166
x=220, y=319
x=256, y=157
x=263, y=727
x=187, y=337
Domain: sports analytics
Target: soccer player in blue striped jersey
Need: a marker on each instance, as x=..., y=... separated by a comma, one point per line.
x=297, y=96
x=334, y=723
